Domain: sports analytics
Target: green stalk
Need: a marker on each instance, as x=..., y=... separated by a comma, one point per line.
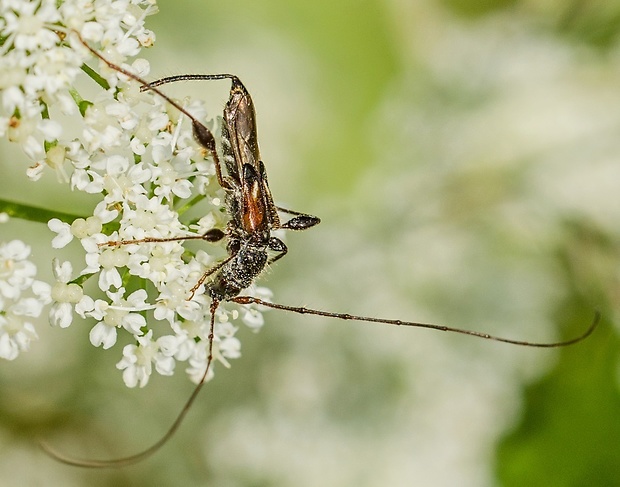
x=34, y=213
x=195, y=200
x=96, y=77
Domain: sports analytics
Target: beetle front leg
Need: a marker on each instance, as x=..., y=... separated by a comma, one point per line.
x=279, y=246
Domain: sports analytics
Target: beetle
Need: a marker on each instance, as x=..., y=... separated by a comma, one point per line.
x=250, y=243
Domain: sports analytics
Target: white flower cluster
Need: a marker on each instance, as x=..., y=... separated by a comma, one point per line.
x=39, y=61
x=22, y=298
x=133, y=150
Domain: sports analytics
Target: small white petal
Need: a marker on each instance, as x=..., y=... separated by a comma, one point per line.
x=165, y=365
x=8, y=349
x=130, y=377
x=86, y=305
x=62, y=270
x=103, y=335
x=61, y=314
x=63, y=230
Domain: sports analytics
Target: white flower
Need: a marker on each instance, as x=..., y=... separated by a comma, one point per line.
x=25, y=23
x=63, y=230
x=16, y=271
x=15, y=335
x=198, y=364
x=118, y=313
x=149, y=218
x=65, y=295
x=227, y=346
x=252, y=315
x=137, y=361
x=253, y=318
x=21, y=298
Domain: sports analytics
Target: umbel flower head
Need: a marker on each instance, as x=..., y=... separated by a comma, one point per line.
x=136, y=153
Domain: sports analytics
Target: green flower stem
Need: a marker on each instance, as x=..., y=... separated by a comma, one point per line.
x=81, y=103
x=96, y=77
x=34, y=213
x=194, y=201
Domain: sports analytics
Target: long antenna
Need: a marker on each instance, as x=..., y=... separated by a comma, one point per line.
x=130, y=460
x=345, y=316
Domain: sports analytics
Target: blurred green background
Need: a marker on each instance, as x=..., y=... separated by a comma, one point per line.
x=464, y=159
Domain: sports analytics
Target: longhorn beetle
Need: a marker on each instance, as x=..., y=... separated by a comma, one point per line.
x=250, y=243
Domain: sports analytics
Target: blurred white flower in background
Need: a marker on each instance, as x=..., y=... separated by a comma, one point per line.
x=22, y=298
